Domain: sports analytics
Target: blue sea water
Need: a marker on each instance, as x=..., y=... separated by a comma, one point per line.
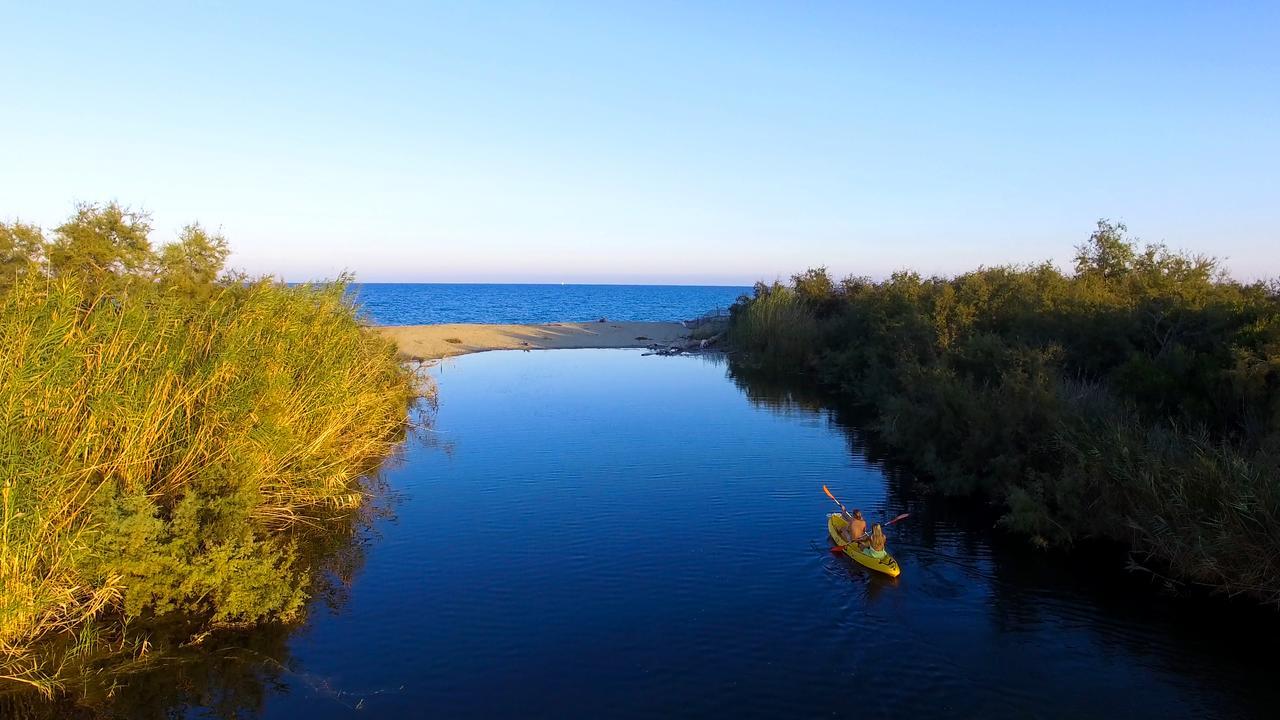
x=423, y=303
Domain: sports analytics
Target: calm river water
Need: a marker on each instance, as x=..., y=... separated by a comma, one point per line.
x=600, y=534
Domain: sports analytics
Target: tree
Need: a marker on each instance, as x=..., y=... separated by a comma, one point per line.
x=1108, y=252
x=106, y=246
x=192, y=263
x=814, y=285
x=20, y=247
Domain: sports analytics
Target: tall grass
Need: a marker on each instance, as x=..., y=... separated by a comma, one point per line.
x=163, y=452
x=777, y=327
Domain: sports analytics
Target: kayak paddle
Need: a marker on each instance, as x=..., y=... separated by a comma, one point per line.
x=903, y=516
x=840, y=548
x=833, y=497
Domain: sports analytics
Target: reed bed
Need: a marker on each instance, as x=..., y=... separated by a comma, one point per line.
x=163, y=451
x=776, y=327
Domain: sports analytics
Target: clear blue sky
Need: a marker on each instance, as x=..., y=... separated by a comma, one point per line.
x=651, y=141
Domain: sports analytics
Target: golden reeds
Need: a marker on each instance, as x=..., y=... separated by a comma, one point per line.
x=154, y=449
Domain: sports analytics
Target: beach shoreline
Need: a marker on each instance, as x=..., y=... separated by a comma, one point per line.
x=431, y=342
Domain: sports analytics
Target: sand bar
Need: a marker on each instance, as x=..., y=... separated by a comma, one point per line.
x=428, y=342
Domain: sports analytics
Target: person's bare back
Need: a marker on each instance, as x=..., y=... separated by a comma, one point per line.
x=857, y=527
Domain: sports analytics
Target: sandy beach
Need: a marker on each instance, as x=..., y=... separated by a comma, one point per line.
x=428, y=342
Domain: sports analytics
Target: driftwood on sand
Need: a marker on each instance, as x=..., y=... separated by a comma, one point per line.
x=706, y=333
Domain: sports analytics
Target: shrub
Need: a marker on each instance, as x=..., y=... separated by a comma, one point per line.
x=1137, y=399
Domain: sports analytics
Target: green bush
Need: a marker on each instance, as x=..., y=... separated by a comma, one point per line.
x=1137, y=399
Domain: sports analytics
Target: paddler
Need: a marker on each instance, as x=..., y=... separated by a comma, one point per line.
x=876, y=548
x=855, y=527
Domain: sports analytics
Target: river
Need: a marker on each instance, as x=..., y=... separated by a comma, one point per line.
x=595, y=533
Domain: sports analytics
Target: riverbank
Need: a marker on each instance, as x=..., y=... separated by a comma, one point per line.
x=173, y=445
x=1132, y=401
x=430, y=342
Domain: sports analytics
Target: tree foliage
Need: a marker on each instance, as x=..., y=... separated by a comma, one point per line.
x=21, y=246
x=192, y=263
x=103, y=246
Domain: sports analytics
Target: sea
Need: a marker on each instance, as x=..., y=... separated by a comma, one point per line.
x=431, y=303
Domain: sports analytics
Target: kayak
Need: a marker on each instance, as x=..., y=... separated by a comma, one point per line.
x=886, y=564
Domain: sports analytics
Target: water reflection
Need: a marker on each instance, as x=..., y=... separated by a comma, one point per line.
x=170, y=666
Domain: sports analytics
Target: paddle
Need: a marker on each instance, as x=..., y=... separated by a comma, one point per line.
x=837, y=547
x=903, y=516
x=840, y=548
x=833, y=498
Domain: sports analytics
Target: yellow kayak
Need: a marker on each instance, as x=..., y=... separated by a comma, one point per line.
x=886, y=564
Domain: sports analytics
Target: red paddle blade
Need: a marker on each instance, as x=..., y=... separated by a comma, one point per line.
x=903, y=516
x=836, y=549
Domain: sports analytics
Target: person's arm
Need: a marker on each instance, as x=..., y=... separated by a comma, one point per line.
x=847, y=530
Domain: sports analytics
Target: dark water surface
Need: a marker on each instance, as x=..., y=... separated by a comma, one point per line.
x=593, y=533
x=420, y=304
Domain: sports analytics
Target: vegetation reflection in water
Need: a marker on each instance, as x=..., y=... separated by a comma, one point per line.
x=177, y=664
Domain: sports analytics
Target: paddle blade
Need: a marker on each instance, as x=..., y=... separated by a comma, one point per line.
x=836, y=550
x=833, y=497
x=903, y=516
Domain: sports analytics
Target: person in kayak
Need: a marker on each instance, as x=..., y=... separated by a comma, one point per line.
x=856, y=527
x=875, y=548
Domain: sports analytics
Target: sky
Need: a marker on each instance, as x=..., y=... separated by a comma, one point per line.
x=683, y=142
